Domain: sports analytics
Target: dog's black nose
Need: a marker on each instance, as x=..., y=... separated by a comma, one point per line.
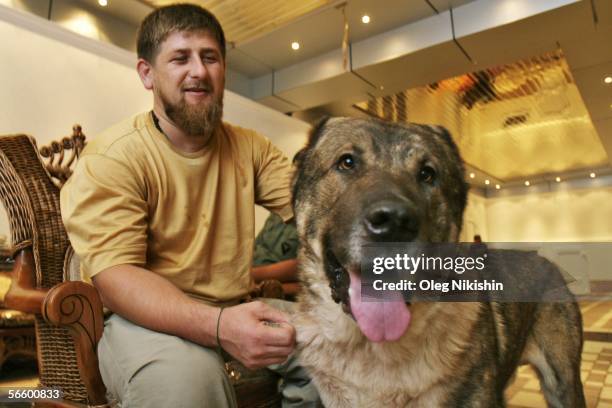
x=391, y=221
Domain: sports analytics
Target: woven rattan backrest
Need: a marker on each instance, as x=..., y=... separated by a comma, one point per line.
x=32, y=203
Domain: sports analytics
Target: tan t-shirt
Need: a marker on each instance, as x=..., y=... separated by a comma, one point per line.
x=135, y=199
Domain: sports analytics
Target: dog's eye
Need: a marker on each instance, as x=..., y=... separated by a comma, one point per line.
x=427, y=175
x=346, y=162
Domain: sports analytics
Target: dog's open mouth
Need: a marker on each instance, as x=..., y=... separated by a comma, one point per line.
x=380, y=319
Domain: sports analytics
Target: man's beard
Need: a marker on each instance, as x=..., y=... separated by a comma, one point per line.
x=195, y=120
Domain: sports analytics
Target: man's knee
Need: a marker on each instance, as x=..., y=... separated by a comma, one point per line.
x=181, y=381
x=142, y=368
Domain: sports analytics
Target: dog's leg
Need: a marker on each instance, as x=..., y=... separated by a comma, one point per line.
x=554, y=350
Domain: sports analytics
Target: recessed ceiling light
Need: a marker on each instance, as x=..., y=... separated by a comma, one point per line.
x=527, y=183
x=295, y=45
x=497, y=186
x=103, y=3
x=608, y=79
x=558, y=179
x=472, y=175
x=592, y=175
x=487, y=182
x=365, y=19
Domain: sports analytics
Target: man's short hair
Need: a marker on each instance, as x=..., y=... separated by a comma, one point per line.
x=162, y=22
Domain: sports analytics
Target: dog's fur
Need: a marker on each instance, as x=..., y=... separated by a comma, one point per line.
x=452, y=354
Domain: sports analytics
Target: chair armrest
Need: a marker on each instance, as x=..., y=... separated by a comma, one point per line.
x=291, y=289
x=23, y=294
x=277, y=280
x=77, y=307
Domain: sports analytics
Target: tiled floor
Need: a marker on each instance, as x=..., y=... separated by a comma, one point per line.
x=596, y=367
x=597, y=316
x=596, y=374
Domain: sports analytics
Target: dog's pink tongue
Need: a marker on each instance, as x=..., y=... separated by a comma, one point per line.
x=379, y=319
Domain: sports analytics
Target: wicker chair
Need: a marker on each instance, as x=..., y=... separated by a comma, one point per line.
x=69, y=316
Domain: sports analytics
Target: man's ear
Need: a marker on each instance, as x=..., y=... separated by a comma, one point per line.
x=145, y=71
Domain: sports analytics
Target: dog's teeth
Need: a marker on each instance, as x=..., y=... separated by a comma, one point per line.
x=350, y=291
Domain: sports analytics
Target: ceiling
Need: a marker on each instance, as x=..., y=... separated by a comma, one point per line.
x=260, y=32
x=561, y=116
x=245, y=20
x=322, y=32
x=505, y=116
x=130, y=11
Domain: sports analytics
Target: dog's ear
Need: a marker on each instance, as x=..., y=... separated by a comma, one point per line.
x=317, y=131
x=299, y=156
x=445, y=134
x=460, y=186
x=298, y=159
x=313, y=137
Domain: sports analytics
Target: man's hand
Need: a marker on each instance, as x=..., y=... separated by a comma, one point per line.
x=247, y=334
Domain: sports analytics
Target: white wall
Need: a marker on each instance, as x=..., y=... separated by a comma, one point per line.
x=85, y=19
x=474, y=218
x=573, y=215
x=579, y=215
x=563, y=215
x=49, y=81
x=52, y=78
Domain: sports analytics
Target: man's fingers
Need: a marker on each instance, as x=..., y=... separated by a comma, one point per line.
x=282, y=335
x=275, y=360
x=277, y=352
x=267, y=355
x=273, y=315
x=266, y=362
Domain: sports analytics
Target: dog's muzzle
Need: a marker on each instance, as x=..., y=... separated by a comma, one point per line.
x=391, y=220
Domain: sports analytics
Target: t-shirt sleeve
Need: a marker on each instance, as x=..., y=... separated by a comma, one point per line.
x=105, y=214
x=272, y=177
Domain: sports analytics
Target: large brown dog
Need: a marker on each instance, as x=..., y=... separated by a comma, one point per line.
x=363, y=181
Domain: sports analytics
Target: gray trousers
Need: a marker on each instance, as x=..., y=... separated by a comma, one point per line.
x=142, y=368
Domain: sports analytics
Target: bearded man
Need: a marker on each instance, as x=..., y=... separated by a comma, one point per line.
x=160, y=210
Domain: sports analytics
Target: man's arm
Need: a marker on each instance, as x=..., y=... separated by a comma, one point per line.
x=272, y=178
x=283, y=271
x=151, y=301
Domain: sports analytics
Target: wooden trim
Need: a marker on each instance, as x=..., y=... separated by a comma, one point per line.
x=77, y=307
x=291, y=288
x=601, y=286
x=597, y=336
x=23, y=294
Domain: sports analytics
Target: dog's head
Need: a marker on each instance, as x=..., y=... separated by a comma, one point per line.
x=362, y=181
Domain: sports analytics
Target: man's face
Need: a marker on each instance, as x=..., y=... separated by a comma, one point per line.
x=188, y=79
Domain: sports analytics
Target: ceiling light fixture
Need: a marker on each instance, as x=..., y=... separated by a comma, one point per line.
x=487, y=182
x=608, y=80
x=497, y=186
x=592, y=175
x=103, y=3
x=472, y=175
x=295, y=45
x=365, y=19
x=527, y=183
x=558, y=179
